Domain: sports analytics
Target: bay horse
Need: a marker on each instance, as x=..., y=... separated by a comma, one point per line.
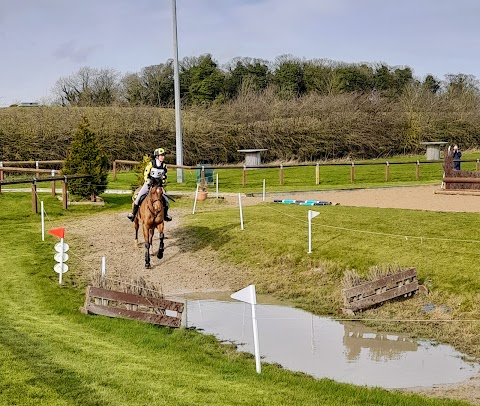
x=150, y=214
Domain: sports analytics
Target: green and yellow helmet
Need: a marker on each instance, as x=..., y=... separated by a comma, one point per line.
x=159, y=151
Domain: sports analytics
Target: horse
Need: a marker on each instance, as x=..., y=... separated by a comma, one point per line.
x=150, y=214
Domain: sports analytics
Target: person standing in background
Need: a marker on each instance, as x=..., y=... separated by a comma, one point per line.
x=457, y=155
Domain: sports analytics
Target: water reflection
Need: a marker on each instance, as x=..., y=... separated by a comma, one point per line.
x=346, y=352
x=380, y=346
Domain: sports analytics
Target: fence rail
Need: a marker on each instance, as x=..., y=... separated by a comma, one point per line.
x=243, y=167
x=52, y=179
x=281, y=167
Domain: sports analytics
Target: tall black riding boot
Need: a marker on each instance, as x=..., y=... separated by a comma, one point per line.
x=132, y=215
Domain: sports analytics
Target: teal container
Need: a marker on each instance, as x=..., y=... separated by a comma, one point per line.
x=208, y=174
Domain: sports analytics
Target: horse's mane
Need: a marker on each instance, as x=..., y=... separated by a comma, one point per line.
x=156, y=182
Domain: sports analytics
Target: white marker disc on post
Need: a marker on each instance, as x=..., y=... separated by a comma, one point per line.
x=58, y=268
x=58, y=257
x=58, y=247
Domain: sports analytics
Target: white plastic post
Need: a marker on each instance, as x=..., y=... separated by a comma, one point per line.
x=42, y=215
x=241, y=212
x=258, y=365
x=61, y=261
x=195, y=201
x=216, y=185
x=248, y=295
x=104, y=272
x=309, y=233
x=311, y=215
x=104, y=269
x=263, y=195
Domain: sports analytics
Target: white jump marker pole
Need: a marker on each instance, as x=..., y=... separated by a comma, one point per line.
x=311, y=214
x=216, y=185
x=241, y=212
x=42, y=215
x=263, y=195
x=103, y=282
x=104, y=270
x=248, y=295
x=61, y=262
x=195, y=201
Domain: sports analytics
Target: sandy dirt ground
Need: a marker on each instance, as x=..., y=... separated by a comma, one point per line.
x=183, y=270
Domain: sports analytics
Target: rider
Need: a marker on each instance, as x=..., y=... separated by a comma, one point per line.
x=156, y=162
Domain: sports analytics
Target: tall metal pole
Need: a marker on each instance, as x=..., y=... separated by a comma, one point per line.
x=178, y=112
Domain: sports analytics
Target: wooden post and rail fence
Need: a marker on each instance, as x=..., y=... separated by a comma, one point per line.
x=11, y=168
x=34, y=181
x=281, y=167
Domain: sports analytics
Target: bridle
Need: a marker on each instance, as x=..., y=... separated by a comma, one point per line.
x=153, y=200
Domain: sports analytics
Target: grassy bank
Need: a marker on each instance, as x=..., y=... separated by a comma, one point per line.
x=51, y=354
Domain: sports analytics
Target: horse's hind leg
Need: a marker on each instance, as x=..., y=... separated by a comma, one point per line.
x=161, y=248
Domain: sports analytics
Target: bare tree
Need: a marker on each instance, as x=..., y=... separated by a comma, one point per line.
x=88, y=87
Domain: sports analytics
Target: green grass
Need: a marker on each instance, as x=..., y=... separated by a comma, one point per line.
x=51, y=354
x=341, y=235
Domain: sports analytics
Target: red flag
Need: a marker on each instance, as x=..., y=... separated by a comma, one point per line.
x=57, y=232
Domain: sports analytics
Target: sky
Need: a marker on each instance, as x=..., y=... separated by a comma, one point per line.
x=44, y=40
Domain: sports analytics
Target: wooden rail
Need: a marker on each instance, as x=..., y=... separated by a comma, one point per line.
x=119, y=304
x=461, y=180
x=281, y=167
x=52, y=179
x=403, y=283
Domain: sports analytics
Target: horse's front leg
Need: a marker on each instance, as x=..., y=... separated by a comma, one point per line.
x=146, y=236
x=161, y=248
x=147, y=255
x=135, y=223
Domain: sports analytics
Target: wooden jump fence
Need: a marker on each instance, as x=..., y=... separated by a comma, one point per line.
x=112, y=303
x=368, y=294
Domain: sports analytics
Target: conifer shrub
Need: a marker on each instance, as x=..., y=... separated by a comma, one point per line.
x=85, y=157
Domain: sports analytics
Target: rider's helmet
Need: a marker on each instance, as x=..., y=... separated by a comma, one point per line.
x=156, y=173
x=159, y=151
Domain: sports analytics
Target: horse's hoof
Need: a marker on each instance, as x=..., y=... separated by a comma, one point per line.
x=147, y=266
x=160, y=255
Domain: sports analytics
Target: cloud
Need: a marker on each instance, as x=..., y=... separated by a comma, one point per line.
x=72, y=52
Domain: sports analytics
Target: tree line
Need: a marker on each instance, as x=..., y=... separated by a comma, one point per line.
x=204, y=81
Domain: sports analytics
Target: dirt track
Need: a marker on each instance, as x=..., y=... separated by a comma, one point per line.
x=183, y=270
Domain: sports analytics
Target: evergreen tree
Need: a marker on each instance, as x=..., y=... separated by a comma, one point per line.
x=289, y=76
x=431, y=84
x=84, y=157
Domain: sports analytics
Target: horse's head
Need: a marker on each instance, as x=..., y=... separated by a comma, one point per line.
x=156, y=182
x=156, y=194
